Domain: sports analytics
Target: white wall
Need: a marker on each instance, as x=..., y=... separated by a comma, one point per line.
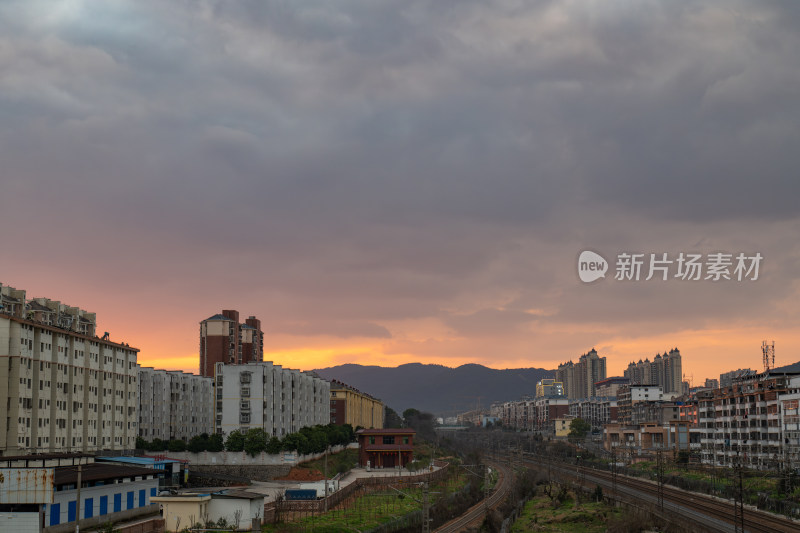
x=95, y=493
x=227, y=507
x=19, y=522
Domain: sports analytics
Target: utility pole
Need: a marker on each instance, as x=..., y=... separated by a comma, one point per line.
x=739, y=503
x=78, y=504
x=426, y=510
x=326, y=477
x=614, y=470
x=426, y=507
x=660, y=472
x=486, y=491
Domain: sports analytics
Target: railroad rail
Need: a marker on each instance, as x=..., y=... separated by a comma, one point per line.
x=476, y=513
x=712, y=513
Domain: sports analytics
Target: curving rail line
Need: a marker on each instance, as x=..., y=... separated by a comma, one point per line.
x=476, y=513
x=710, y=512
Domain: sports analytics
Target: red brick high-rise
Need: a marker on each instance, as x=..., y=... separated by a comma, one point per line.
x=224, y=340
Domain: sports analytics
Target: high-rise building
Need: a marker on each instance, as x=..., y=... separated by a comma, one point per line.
x=62, y=388
x=590, y=369
x=174, y=404
x=224, y=340
x=263, y=395
x=565, y=374
x=579, y=378
x=665, y=370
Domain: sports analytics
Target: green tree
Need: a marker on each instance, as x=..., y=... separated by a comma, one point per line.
x=578, y=429
x=296, y=442
x=410, y=413
x=255, y=441
x=158, y=445
x=317, y=438
x=274, y=445
x=198, y=443
x=391, y=418
x=142, y=444
x=215, y=443
x=235, y=441
x=176, y=445
x=422, y=423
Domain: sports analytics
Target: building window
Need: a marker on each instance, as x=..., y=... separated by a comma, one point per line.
x=388, y=439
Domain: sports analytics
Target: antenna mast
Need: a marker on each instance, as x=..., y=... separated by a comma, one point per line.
x=768, y=351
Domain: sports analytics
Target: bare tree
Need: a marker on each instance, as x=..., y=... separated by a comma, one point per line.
x=178, y=523
x=237, y=517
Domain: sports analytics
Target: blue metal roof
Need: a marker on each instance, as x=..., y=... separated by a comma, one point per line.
x=149, y=461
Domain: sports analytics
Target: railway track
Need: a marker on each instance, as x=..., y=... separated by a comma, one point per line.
x=476, y=513
x=712, y=513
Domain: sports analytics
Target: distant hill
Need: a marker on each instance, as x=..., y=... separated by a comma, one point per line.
x=438, y=389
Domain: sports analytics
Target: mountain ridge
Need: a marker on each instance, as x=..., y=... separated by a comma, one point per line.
x=435, y=388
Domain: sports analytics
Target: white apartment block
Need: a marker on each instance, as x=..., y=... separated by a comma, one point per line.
x=597, y=411
x=265, y=395
x=174, y=404
x=62, y=388
x=753, y=421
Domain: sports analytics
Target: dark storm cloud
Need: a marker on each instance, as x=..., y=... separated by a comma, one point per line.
x=394, y=160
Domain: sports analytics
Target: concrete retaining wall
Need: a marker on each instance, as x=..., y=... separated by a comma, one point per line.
x=243, y=459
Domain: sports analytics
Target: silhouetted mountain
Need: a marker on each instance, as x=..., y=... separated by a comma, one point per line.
x=438, y=389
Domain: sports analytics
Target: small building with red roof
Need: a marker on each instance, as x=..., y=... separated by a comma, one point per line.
x=385, y=448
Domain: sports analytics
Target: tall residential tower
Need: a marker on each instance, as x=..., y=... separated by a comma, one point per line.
x=224, y=340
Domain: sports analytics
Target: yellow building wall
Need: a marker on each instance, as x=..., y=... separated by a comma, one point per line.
x=562, y=427
x=179, y=512
x=361, y=410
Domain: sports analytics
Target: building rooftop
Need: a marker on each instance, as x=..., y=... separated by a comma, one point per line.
x=143, y=461
x=99, y=471
x=386, y=431
x=217, y=317
x=794, y=368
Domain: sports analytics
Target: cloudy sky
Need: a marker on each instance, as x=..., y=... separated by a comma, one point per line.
x=406, y=180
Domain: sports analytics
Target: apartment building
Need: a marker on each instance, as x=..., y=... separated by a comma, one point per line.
x=351, y=406
x=174, y=404
x=753, y=420
x=665, y=370
x=549, y=387
x=223, y=339
x=608, y=387
x=532, y=414
x=597, y=411
x=519, y=414
x=630, y=395
x=268, y=396
x=579, y=378
x=62, y=388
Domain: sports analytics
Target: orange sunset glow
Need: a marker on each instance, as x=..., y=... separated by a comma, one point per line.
x=384, y=189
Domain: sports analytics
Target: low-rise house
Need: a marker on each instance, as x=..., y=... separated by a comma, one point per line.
x=238, y=509
x=385, y=448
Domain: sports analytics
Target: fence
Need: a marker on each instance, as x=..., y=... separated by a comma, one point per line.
x=276, y=511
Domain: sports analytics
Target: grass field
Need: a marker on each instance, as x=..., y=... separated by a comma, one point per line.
x=539, y=515
x=369, y=510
